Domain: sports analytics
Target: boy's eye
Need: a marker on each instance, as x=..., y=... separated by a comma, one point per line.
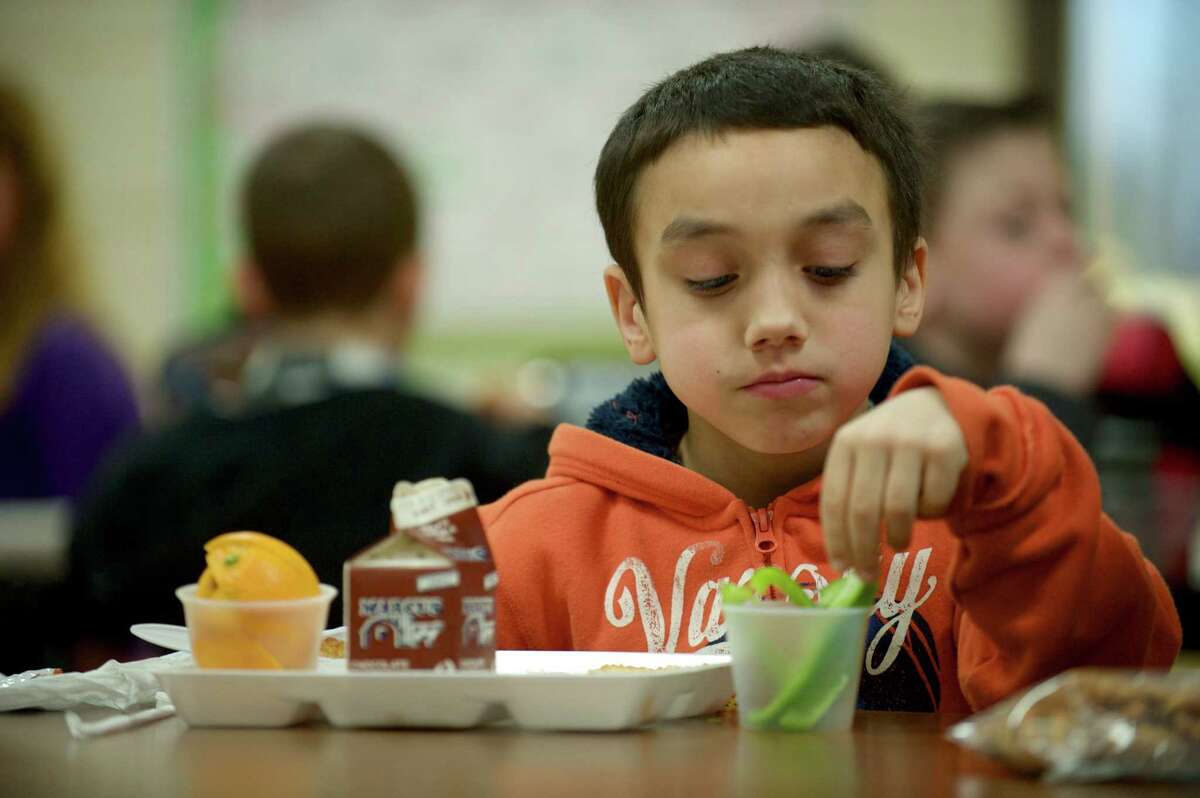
x=1066, y=207
x=712, y=285
x=1015, y=226
x=829, y=274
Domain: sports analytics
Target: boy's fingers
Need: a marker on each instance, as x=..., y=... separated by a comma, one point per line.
x=901, y=495
x=939, y=482
x=834, y=487
x=864, y=506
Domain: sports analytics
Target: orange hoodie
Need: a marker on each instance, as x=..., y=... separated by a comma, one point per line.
x=619, y=549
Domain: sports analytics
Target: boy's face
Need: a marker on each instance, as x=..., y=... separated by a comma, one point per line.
x=769, y=283
x=1004, y=227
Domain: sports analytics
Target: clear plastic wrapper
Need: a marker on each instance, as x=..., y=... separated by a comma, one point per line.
x=1095, y=725
x=21, y=678
x=116, y=685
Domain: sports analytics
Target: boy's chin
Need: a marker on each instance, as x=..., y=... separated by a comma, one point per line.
x=781, y=444
x=772, y=437
x=782, y=451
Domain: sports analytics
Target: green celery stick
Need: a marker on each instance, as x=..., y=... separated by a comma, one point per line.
x=831, y=592
x=807, y=717
x=732, y=594
x=770, y=576
x=848, y=591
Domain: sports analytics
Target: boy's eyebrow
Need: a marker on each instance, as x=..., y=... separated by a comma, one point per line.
x=686, y=228
x=847, y=212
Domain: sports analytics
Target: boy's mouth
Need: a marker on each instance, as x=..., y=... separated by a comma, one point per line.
x=782, y=384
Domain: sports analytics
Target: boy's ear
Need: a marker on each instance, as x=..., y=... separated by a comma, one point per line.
x=250, y=291
x=627, y=313
x=935, y=295
x=405, y=287
x=910, y=292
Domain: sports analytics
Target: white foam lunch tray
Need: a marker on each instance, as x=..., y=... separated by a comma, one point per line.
x=546, y=690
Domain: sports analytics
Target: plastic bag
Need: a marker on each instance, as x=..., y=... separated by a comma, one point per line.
x=1095, y=725
x=116, y=685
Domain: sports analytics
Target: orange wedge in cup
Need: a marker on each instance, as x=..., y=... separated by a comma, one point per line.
x=251, y=566
x=256, y=605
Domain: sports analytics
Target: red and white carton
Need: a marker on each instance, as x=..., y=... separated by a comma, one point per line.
x=424, y=597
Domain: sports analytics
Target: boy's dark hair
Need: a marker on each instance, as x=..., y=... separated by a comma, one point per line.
x=847, y=52
x=760, y=88
x=328, y=213
x=950, y=128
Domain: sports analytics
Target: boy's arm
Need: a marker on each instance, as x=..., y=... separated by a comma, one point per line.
x=1045, y=581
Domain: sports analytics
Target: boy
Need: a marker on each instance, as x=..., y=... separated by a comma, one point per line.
x=328, y=424
x=763, y=210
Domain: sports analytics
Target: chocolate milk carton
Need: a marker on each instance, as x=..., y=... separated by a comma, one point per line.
x=423, y=597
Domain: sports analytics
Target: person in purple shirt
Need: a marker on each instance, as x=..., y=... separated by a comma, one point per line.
x=64, y=398
x=70, y=401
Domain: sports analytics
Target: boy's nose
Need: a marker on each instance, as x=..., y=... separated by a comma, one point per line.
x=1065, y=243
x=775, y=320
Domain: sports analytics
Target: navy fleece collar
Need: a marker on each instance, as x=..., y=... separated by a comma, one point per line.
x=648, y=416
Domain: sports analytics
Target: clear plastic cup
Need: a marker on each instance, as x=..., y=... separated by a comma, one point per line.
x=794, y=668
x=273, y=635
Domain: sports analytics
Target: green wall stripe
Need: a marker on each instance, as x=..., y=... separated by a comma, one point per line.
x=206, y=301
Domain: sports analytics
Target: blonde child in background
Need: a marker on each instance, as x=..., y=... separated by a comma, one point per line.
x=763, y=210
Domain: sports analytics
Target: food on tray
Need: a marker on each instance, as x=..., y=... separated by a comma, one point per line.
x=251, y=566
x=423, y=597
x=258, y=604
x=333, y=647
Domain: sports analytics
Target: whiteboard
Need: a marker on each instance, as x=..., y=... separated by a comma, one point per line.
x=500, y=109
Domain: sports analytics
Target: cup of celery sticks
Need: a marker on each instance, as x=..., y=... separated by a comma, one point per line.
x=796, y=662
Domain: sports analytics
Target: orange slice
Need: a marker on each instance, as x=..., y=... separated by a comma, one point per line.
x=251, y=566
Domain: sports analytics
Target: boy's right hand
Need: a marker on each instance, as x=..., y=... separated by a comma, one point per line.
x=893, y=464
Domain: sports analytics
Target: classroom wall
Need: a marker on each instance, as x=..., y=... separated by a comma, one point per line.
x=116, y=82
x=101, y=75
x=973, y=48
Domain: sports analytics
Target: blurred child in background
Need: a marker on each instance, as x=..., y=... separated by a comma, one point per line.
x=1012, y=299
x=327, y=422
x=204, y=375
x=64, y=398
x=1009, y=301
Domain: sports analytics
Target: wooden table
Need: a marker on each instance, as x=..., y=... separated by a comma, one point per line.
x=887, y=754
